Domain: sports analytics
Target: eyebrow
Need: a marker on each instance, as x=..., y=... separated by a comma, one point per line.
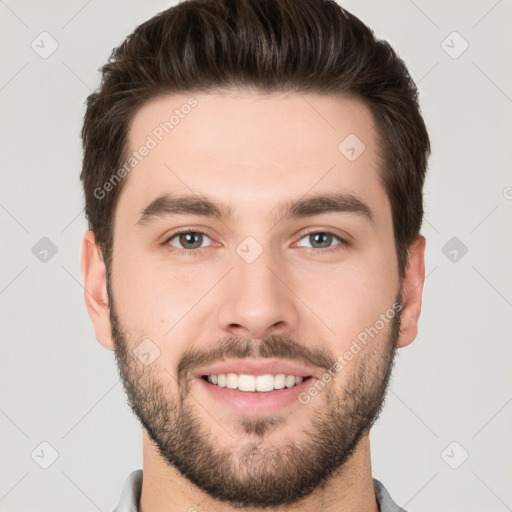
x=167, y=205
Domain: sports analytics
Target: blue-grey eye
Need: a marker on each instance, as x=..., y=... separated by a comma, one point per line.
x=321, y=239
x=188, y=239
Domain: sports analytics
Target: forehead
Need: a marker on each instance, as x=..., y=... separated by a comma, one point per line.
x=251, y=150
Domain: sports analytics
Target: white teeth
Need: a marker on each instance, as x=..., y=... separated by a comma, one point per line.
x=246, y=383
x=290, y=381
x=231, y=380
x=267, y=382
x=262, y=383
x=280, y=381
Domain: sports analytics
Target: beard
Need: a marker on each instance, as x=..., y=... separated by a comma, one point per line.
x=251, y=474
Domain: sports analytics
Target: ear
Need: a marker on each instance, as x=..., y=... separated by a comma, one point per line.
x=95, y=289
x=412, y=290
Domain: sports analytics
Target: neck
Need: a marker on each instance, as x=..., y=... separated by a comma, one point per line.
x=164, y=489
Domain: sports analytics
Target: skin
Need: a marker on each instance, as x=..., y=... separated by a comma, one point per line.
x=252, y=152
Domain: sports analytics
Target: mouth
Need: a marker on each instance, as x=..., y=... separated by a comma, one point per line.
x=250, y=395
x=255, y=383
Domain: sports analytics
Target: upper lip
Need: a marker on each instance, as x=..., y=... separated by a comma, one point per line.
x=256, y=367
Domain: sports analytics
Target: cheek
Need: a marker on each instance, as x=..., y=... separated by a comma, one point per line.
x=350, y=296
x=157, y=300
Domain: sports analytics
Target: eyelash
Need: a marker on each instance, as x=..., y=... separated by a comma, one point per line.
x=195, y=252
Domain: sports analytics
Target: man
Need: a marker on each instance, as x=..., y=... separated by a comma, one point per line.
x=253, y=176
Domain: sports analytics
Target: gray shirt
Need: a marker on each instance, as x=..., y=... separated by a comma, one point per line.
x=130, y=495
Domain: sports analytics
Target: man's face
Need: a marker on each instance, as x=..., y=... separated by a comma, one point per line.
x=256, y=287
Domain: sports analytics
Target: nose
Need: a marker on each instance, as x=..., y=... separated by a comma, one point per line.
x=257, y=299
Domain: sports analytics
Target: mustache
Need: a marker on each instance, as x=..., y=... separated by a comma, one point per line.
x=274, y=346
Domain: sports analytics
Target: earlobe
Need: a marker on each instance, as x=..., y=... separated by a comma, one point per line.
x=412, y=291
x=95, y=289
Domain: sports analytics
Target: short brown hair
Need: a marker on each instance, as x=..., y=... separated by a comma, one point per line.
x=264, y=45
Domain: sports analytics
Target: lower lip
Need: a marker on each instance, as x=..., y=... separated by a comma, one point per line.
x=254, y=402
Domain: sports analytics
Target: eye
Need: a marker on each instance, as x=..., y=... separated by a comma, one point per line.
x=323, y=240
x=189, y=240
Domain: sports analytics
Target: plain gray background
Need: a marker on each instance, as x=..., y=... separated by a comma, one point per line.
x=451, y=393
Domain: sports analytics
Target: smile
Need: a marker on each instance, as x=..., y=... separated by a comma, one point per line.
x=254, y=383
